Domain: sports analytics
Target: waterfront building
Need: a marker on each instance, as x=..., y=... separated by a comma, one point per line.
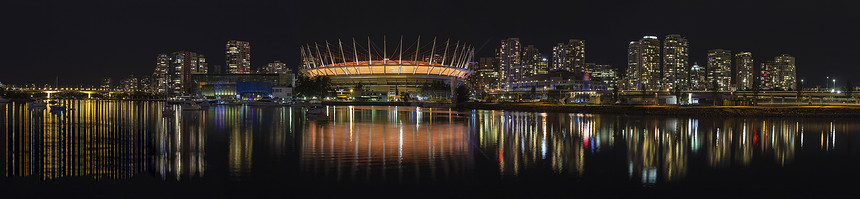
x=743, y=72
x=402, y=75
x=486, y=76
x=242, y=86
x=643, y=64
x=161, y=75
x=676, y=71
x=569, y=56
x=787, y=72
x=531, y=61
x=238, y=57
x=130, y=84
x=510, y=62
x=183, y=64
x=106, y=83
x=769, y=75
x=719, y=69
x=698, y=78
x=277, y=67
x=605, y=73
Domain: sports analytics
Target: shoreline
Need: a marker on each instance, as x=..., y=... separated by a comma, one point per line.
x=676, y=110
x=662, y=110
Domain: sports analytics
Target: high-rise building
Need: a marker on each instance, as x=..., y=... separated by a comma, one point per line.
x=769, y=76
x=698, y=77
x=277, y=67
x=161, y=75
x=486, y=74
x=106, y=83
x=643, y=64
x=569, y=56
x=787, y=72
x=238, y=57
x=743, y=71
x=182, y=65
x=510, y=62
x=130, y=84
x=543, y=66
x=531, y=61
x=720, y=69
x=676, y=71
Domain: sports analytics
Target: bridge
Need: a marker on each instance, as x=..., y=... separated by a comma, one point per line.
x=87, y=90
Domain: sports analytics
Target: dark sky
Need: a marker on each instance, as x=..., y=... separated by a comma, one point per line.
x=81, y=42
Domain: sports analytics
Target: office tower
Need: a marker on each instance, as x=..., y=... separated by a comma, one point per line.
x=509, y=62
x=238, y=57
x=769, y=76
x=589, y=67
x=277, y=67
x=643, y=64
x=676, y=72
x=698, y=78
x=787, y=73
x=183, y=64
x=569, y=56
x=743, y=71
x=719, y=69
x=531, y=61
x=161, y=75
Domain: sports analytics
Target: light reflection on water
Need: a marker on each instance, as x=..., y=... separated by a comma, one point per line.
x=124, y=139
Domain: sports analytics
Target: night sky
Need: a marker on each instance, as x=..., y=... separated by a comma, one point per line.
x=84, y=42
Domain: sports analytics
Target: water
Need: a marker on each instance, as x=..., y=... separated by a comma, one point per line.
x=127, y=149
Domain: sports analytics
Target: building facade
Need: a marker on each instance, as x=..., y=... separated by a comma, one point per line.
x=183, y=64
x=643, y=64
x=720, y=69
x=698, y=78
x=277, y=67
x=486, y=76
x=769, y=75
x=510, y=64
x=676, y=70
x=787, y=72
x=531, y=61
x=238, y=57
x=161, y=75
x=607, y=74
x=569, y=56
x=743, y=72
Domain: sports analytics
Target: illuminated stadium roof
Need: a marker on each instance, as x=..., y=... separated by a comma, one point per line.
x=420, y=59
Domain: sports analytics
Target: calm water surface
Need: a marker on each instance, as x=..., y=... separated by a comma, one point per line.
x=127, y=149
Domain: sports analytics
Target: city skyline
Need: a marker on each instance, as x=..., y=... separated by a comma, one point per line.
x=103, y=47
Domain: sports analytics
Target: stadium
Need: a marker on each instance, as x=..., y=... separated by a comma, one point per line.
x=393, y=71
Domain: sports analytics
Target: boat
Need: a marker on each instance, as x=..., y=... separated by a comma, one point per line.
x=266, y=101
x=314, y=112
x=167, y=111
x=38, y=104
x=190, y=106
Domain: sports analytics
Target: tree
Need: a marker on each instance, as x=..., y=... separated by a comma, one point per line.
x=849, y=89
x=313, y=87
x=799, y=88
x=756, y=89
x=533, y=93
x=715, y=91
x=462, y=94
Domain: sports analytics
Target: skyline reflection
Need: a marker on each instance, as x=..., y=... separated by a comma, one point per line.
x=104, y=139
